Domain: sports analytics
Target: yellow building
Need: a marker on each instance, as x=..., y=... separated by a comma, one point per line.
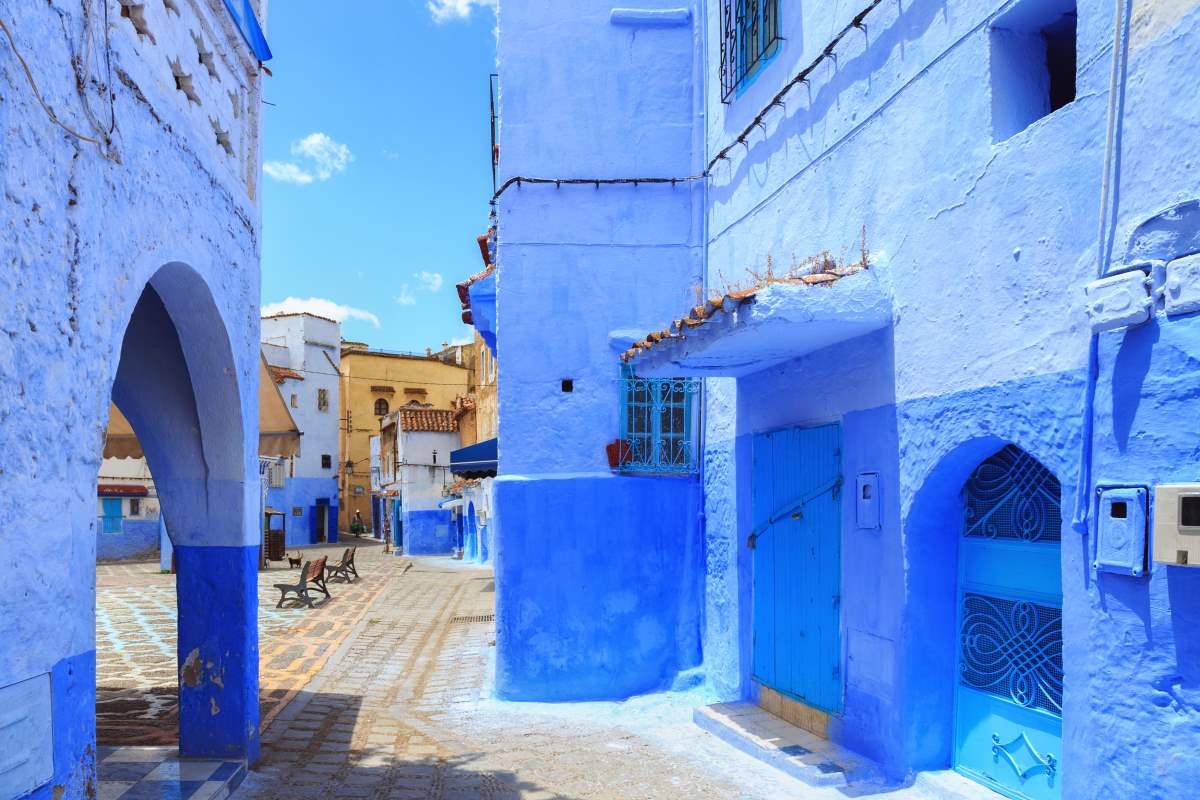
x=477, y=410
x=373, y=384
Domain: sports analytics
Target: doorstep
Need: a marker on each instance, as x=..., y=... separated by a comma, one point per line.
x=775, y=741
x=158, y=773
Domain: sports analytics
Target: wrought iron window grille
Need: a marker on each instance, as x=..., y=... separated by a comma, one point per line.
x=658, y=425
x=749, y=35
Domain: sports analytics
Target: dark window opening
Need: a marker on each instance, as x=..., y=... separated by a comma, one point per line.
x=1060, y=59
x=326, y=462
x=568, y=385
x=1189, y=512
x=381, y=407
x=1119, y=510
x=1032, y=64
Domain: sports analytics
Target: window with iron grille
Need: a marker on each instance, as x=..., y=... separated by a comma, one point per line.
x=657, y=425
x=749, y=36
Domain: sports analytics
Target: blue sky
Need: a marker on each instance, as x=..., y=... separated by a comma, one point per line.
x=376, y=171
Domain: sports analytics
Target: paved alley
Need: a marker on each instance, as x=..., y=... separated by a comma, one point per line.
x=383, y=693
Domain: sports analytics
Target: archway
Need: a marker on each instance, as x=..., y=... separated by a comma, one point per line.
x=982, y=540
x=177, y=383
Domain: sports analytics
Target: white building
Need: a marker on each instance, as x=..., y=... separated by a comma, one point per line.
x=415, y=447
x=303, y=352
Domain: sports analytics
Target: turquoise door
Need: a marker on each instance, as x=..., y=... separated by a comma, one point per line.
x=797, y=564
x=1008, y=705
x=112, y=514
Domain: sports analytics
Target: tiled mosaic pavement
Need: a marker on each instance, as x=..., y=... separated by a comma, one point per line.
x=136, y=694
x=155, y=773
x=388, y=697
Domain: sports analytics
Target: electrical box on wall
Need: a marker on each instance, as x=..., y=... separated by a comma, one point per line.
x=1121, y=517
x=26, y=738
x=867, y=493
x=1119, y=301
x=1177, y=524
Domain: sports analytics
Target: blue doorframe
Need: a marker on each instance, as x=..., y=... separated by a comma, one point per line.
x=797, y=534
x=1008, y=699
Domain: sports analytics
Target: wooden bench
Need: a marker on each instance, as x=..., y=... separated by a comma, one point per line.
x=345, y=570
x=314, y=574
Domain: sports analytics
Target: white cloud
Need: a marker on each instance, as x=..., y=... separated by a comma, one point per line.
x=462, y=340
x=406, y=298
x=430, y=280
x=321, y=308
x=446, y=10
x=317, y=158
x=284, y=172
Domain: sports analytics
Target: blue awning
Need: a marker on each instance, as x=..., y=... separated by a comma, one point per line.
x=247, y=23
x=475, y=461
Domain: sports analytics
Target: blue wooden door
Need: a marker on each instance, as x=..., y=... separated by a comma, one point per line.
x=1008, y=705
x=112, y=514
x=797, y=535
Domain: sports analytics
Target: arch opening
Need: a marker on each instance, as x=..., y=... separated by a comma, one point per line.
x=176, y=383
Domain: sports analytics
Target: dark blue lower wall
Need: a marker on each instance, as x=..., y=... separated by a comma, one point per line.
x=428, y=533
x=302, y=493
x=138, y=539
x=73, y=707
x=598, y=582
x=217, y=589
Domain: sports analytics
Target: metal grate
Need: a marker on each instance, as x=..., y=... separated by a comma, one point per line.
x=1012, y=496
x=657, y=425
x=749, y=34
x=1012, y=649
x=472, y=619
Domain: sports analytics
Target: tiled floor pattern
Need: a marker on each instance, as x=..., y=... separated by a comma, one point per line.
x=390, y=699
x=136, y=696
x=156, y=773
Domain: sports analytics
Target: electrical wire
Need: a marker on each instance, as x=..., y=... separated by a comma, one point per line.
x=37, y=93
x=801, y=77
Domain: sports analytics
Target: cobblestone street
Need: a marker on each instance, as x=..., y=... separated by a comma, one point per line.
x=383, y=693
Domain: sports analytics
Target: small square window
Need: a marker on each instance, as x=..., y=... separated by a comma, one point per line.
x=1189, y=511
x=135, y=507
x=1118, y=510
x=568, y=385
x=297, y=511
x=1032, y=64
x=295, y=400
x=749, y=37
x=322, y=399
x=326, y=461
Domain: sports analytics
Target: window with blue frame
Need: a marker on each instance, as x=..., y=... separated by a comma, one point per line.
x=657, y=424
x=749, y=37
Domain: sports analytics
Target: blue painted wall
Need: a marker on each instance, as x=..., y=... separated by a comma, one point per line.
x=138, y=539
x=301, y=492
x=589, y=607
x=617, y=612
x=984, y=236
x=428, y=533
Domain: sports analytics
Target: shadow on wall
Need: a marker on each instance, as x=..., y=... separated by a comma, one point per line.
x=374, y=771
x=803, y=110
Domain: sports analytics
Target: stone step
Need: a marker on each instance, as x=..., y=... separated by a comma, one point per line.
x=774, y=741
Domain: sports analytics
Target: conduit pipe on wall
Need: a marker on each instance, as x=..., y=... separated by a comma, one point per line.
x=1105, y=232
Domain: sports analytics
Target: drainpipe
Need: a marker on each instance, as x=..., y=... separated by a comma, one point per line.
x=1106, y=228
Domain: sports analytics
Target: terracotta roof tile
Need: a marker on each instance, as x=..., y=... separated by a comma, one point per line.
x=429, y=420
x=281, y=374
x=728, y=302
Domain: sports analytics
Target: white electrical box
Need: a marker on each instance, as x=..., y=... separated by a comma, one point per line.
x=1119, y=301
x=1177, y=524
x=26, y=736
x=1182, y=289
x=867, y=503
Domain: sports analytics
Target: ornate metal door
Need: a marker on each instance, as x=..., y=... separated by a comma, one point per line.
x=797, y=564
x=1008, y=708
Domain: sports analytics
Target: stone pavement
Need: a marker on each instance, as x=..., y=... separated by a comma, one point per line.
x=384, y=693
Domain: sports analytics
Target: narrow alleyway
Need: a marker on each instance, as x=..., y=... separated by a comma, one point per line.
x=383, y=693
